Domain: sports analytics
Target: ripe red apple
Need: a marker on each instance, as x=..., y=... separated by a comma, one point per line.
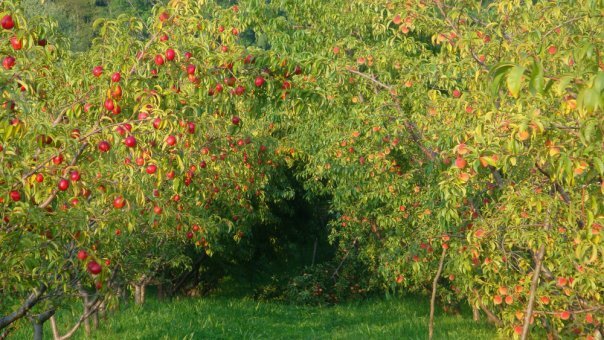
x=94, y=268
x=75, y=175
x=157, y=210
x=218, y=88
x=104, y=146
x=497, y=299
x=565, y=315
x=116, y=77
x=119, y=202
x=16, y=43
x=39, y=178
x=191, y=127
x=286, y=85
x=15, y=195
x=191, y=69
x=42, y=42
x=151, y=169
x=130, y=141
x=159, y=60
x=63, y=184
x=259, y=81
x=545, y=300
x=164, y=37
x=456, y=93
x=109, y=104
x=97, y=71
x=171, y=140
x=7, y=22
x=170, y=54
x=8, y=62
x=239, y=90
x=188, y=55
x=236, y=120
x=189, y=235
x=235, y=31
x=58, y=159
x=82, y=255
x=230, y=81
x=248, y=59
x=224, y=48
x=163, y=16
x=552, y=50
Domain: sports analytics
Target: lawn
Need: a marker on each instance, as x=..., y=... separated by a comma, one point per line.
x=244, y=318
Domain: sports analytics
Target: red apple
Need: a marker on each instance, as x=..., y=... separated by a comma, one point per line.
x=16, y=43
x=97, y=71
x=236, y=120
x=170, y=54
x=151, y=169
x=456, y=93
x=119, y=202
x=104, y=146
x=8, y=62
x=159, y=60
x=94, y=268
x=75, y=175
x=116, y=77
x=259, y=81
x=130, y=141
x=7, y=22
x=109, y=104
x=63, y=184
x=191, y=69
x=15, y=195
x=171, y=140
x=39, y=178
x=82, y=255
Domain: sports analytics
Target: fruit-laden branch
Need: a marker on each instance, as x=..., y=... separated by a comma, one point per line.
x=72, y=163
x=335, y=273
x=433, y=299
x=409, y=125
x=29, y=303
x=142, y=52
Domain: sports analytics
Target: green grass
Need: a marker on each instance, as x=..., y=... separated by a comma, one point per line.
x=230, y=318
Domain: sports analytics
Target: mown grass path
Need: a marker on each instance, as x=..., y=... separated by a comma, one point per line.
x=230, y=318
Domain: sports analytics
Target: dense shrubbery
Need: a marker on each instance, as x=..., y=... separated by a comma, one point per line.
x=457, y=147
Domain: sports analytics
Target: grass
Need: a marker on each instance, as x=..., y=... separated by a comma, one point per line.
x=244, y=318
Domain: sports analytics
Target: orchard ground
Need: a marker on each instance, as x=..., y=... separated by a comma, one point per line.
x=219, y=317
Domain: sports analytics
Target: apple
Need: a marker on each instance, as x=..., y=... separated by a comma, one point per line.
x=220, y=28
x=236, y=120
x=157, y=210
x=57, y=159
x=116, y=77
x=552, y=50
x=286, y=85
x=8, y=62
x=39, y=178
x=130, y=141
x=171, y=140
x=151, y=169
x=97, y=71
x=119, y=202
x=191, y=127
x=188, y=55
x=163, y=16
x=109, y=105
x=509, y=300
x=63, y=184
x=42, y=42
x=239, y=90
x=497, y=299
x=565, y=315
x=259, y=81
x=460, y=163
x=7, y=22
x=191, y=69
x=82, y=255
x=248, y=59
x=218, y=88
x=164, y=37
x=456, y=93
x=170, y=54
x=545, y=300
x=93, y=267
x=104, y=146
x=16, y=43
x=75, y=175
x=235, y=31
x=224, y=48
x=159, y=60
x=15, y=195
x=189, y=235
x=230, y=81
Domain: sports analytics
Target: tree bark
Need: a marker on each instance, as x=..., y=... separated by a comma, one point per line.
x=475, y=313
x=38, y=323
x=29, y=303
x=433, y=300
x=534, y=283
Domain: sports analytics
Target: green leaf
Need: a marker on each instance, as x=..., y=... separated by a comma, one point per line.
x=537, y=81
x=514, y=80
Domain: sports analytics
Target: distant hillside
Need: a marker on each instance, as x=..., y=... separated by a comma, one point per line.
x=75, y=17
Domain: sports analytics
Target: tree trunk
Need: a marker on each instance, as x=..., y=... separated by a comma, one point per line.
x=433, y=300
x=161, y=294
x=38, y=323
x=142, y=297
x=95, y=319
x=475, y=313
x=86, y=312
x=137, y=294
